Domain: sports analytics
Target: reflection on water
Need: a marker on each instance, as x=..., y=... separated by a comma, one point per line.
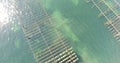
x=80, y=24
x=13, y=48
x=7, y=11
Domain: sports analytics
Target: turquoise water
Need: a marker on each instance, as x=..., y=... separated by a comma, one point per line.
x=77, y=21
x=85, y=29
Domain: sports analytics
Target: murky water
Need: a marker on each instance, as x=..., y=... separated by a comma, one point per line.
x=74, y=18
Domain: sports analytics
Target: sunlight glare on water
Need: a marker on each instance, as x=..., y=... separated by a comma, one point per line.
x=7, y=11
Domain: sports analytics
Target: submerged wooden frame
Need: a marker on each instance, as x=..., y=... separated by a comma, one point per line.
x=48, y=48
x=111, y=11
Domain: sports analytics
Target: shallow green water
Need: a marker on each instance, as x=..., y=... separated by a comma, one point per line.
x=77, y=21
x=86, y=30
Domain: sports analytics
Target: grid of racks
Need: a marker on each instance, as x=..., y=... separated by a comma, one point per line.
x=110, y=9
x=47, y=44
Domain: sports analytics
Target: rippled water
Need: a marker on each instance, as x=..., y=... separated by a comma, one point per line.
x=75, y=18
